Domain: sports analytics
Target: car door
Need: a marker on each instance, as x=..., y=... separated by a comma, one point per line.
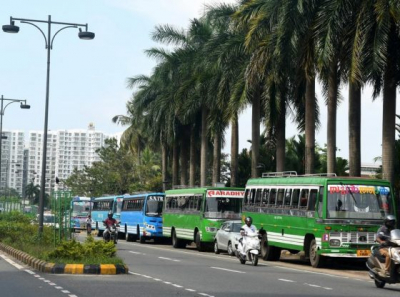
x=220, y=236
x=225, y=235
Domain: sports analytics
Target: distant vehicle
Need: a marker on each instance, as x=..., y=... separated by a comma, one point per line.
x=226, y=237
x=80, y=209
x=141, y=216
x=101, y=207
x=49, y=220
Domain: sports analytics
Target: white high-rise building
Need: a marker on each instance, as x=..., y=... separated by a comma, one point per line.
x=12, y=161
x=66, y=150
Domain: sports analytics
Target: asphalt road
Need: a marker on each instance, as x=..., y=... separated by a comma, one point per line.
x=160, y=270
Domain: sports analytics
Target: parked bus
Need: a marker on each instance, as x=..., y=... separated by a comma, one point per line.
x=141, y=216
x=80, y=209
x=195, y=215
x=324, y=216
x=101, y=207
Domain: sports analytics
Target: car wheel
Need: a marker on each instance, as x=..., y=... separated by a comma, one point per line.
x=216, y=250
x=230, y=249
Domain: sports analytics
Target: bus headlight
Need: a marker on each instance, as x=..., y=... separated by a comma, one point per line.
x=334, y=242
x=150, y=227
x=211, y=229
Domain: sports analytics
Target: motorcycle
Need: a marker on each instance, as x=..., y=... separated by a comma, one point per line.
x=252, y=249
x=112, y=234
x=376, y=262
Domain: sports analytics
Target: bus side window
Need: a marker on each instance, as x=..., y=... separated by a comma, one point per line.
x=272, y=196
x=258, y=197
x=304, y=198
x=288, y=195
x=313, y=199
x=247, y=196
x=264, y=200
x=295, y=198
x=199, y=200
x=320, y=201
x=281, y=195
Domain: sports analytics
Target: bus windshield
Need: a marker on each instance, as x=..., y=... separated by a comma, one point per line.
x=223, y=208
x=358, y=202
x=154, y=208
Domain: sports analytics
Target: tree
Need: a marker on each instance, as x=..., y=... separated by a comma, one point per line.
x=32, y=192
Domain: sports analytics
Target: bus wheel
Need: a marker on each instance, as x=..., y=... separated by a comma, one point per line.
x=200, y=245
x=176, y=242
x=316, y=261
x=268, y=252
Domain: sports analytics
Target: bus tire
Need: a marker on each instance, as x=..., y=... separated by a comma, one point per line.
x=176, y=242
x=201, y=247
x=316, y=261
x=268, y=252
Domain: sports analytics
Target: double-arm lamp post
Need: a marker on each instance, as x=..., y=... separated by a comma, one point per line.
x=23, y=105
x=11, y=28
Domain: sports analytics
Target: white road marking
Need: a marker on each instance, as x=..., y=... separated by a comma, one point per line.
x=132, y=252
x=286, y=280
x=19, y=267
x=30, y=272
x=52, y=284
x=190, y=290
x=66, y=291
x=230, y=270
x=326, y=288
x=204, y=294
x=169, y=259
x=157, y=279
x=59, y=288
x=146, y=276
x=178, y=286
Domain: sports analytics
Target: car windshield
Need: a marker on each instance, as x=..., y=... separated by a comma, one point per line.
x=223, y=208
x=358, y=202
x=236, y=227
x=48, y=219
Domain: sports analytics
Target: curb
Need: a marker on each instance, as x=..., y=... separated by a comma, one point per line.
x=54, y=268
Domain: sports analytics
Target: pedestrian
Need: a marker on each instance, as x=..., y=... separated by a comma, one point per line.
x=89, y=225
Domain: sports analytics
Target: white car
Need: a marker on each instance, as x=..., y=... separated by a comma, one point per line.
x=226, y=237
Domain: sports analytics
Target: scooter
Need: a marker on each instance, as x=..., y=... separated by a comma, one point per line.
x=112, y=234
x=376, y=262
x=252, y=242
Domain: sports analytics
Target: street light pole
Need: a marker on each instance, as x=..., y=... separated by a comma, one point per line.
x=11, y=28
x=23, y=105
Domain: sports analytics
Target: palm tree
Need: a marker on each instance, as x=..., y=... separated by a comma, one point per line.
x=32, y=191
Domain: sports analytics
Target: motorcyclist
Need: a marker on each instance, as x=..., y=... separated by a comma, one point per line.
x=382, y=238
x=247, y=229
x=109, y=222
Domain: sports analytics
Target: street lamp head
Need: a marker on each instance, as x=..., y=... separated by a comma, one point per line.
x=85, y=35
x=25, y=106
x=11, y=28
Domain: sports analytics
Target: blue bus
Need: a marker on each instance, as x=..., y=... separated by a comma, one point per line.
x=80, y=209
x=141, y=216
x=101, y=207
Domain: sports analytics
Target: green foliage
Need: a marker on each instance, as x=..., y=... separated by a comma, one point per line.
x=76, y=251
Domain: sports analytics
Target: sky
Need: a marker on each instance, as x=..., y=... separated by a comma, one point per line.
x=88, y=79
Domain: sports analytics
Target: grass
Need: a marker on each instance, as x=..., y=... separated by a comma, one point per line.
x=16, y=230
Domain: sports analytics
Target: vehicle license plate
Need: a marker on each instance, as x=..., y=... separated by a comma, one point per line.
x=363, y=253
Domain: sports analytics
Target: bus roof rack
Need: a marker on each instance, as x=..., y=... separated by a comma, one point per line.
x=320, y=174
x=279, y=174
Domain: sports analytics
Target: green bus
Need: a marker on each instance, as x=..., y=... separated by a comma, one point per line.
x=322, y=215
x=195, y=214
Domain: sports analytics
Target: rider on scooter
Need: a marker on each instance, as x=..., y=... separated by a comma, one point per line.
x=247, y=229
x=109, y=222
x=382, y=238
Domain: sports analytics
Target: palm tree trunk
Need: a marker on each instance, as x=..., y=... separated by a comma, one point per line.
x=204, y=147
x=193, y=159
x=281, y=137
x=234, y=150
x=164, y=165
x=332, y=115
x=216, y=177
x=255, y=133
x=310, y=127
x=184, y=156
x=175, y=164
x=354, y=129
x=388, y=126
